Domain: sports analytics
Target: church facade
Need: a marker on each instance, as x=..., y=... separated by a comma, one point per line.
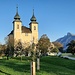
x=22, y=33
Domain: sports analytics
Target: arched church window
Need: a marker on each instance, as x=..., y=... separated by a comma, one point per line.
x=17, y=26
x=34, y=27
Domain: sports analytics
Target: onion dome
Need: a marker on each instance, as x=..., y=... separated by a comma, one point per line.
x=33, y=18
x=17, y=17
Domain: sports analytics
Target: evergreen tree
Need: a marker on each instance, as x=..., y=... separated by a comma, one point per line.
x=71, y=47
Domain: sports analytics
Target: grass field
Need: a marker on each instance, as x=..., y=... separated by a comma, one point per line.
x=72, y=55
x=49, y=66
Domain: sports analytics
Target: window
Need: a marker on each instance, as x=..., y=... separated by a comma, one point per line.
x=34, y=27
x=17, y=26
x=26, y=34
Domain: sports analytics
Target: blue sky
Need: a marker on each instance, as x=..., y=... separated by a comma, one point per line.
x=55, y=17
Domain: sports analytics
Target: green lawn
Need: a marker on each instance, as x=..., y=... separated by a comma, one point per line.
x=72, y=55
x=68, y=54
x=49, y=66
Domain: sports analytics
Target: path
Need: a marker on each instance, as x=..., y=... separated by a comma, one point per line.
x=72, y=58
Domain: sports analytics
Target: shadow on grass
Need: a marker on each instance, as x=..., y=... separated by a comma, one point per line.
x=57, y=61
x=49, y=65
x=16, y=65
x=58, y=66
x=5, y=73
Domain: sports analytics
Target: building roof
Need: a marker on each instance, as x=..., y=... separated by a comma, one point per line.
x=11, y=33
x=33, y=23
x=17, y=17
x=33, y=18
x=24, y=30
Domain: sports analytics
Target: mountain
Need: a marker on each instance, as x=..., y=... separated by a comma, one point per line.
x=66, y=39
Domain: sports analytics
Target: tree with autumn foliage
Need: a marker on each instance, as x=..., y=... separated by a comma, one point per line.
x=2, y=49
x=43, y=44
x=58, y=46
x=10, y=47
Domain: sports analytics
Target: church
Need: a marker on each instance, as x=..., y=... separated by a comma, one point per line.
x=22, y=33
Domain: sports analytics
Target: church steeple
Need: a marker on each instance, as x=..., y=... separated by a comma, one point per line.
x=17, y=17
x=33, y=18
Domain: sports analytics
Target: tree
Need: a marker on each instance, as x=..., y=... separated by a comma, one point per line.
x=2, y=49
x=59, y=46
x=43, y=44
x=71, y=47
x=10, y=47
x=55, y=50
x=19, y=49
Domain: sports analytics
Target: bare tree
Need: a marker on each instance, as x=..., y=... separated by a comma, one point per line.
x=10, y=47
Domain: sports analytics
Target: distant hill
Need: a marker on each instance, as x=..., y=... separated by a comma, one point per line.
x=66, y=39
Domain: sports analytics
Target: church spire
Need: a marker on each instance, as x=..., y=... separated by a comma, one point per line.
x=17, y=9
x=17, y=17
x=33, y=18
x=33, y=12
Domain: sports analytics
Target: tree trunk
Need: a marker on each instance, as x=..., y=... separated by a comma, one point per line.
x=38, y=63
x=21, y=57
x=33, y=69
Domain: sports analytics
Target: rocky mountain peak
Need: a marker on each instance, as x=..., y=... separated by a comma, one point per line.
x=66, y=39
x=69, y=34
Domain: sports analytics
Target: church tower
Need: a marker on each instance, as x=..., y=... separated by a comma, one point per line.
x=34, y=28
x=17, y=27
